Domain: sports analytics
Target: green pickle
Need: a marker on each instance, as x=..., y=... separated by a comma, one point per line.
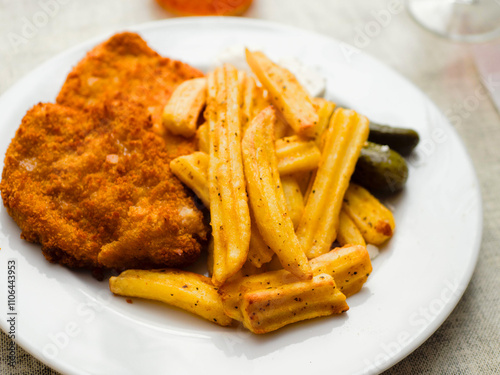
x=380, y=169
x=399, y=139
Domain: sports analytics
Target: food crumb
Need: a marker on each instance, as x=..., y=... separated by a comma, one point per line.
x=112, y=158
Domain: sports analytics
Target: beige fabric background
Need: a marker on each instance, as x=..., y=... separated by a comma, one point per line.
x=469, y=341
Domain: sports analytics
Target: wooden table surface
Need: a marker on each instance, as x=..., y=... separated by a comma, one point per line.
x=468, y=342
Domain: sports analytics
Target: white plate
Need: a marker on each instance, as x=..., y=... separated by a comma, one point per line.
x=71, y=321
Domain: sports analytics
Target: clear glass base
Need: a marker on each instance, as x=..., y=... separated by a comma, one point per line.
x=460, y=20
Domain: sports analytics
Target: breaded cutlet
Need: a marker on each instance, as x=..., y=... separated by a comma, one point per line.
x=95, y=189
x=125, y=68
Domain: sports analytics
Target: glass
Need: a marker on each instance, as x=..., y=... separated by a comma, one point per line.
x=460, y=20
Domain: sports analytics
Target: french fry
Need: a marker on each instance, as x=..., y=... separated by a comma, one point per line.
x=350, y=267
x=296, y=155
x=373, y=219
x=349, y=233
x=202, y=138
x=294, y=199
x=345, y=137
x=230, y=219
x=186, y=290
x=285, y=92
x=266, y=194
x=267, y=310
x=325, y=110
x=184, y=106
x=192, y=171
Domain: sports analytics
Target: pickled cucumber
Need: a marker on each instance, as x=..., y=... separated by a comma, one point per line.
x=400, y=140
x=380, y=169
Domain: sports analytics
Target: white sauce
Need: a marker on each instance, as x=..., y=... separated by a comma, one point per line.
x=372, y=251
x=308, y=77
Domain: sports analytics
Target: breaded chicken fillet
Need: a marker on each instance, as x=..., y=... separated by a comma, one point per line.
x=125, y=68
x=95, y=188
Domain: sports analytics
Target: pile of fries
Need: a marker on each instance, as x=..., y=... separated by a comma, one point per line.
x=274, y=168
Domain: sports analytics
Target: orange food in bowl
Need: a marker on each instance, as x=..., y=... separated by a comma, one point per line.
x=205, y=7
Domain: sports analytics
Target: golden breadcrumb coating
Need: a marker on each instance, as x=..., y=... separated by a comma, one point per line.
x=125, y=68
x=95, y=189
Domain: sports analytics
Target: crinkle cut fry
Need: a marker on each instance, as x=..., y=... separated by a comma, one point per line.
x=181, y=113
x=345, y=137
x=236, y=186
x=228, y=199
x=186, y=290
x=348, y=233
x=192, y=171
x=269, y=309
x=266, y=194
x=286, y=93
x=349, y=265
x=216, y=220
x=372, y=218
